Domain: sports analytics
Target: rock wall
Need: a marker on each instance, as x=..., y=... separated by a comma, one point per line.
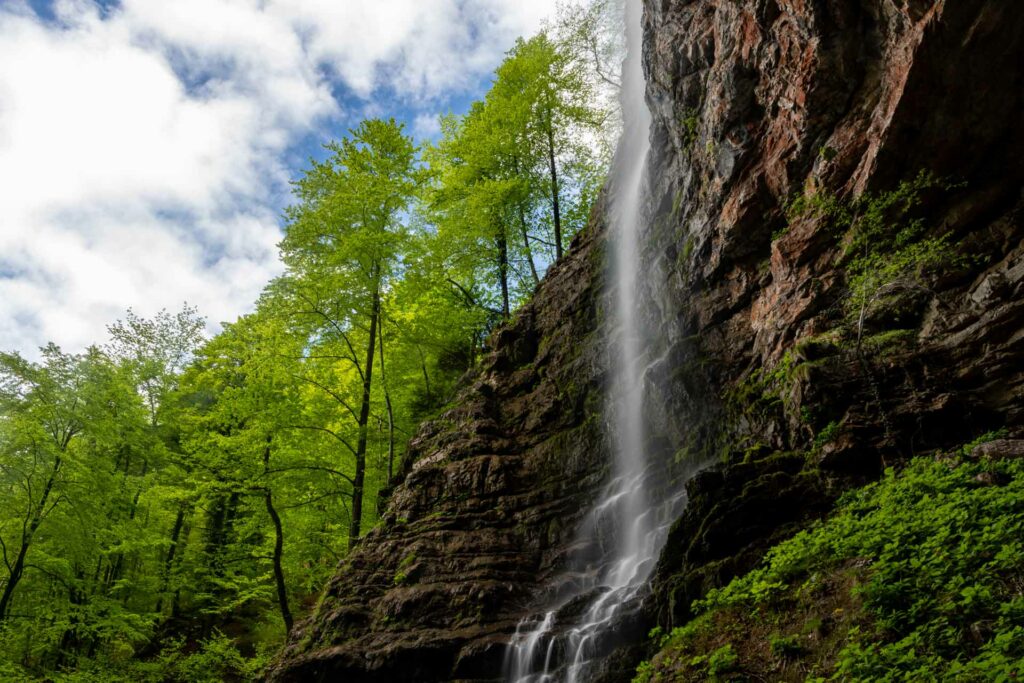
x=761, y=101
x=755, y=102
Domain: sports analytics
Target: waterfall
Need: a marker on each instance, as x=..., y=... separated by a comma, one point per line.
x=629, y=524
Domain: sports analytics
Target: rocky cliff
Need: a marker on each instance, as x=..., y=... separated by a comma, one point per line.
x=781, y=126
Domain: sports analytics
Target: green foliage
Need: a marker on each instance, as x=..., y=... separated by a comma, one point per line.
x=968, y=448
x=888, y=250
x=722, y=661
x=786, y=647
x=826, y=435
x=690, y=126
x=513, y=180
x=765, y=387
x=943, y=559
x=402, y=574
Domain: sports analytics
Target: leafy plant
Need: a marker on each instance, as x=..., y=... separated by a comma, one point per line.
x=943, y=564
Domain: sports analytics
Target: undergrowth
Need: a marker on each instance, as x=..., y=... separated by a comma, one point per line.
x=918, y=577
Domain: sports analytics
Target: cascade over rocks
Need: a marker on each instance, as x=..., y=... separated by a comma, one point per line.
x=755, y=102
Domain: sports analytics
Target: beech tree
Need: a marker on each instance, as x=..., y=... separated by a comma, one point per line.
x=542, y=95
x=343, y=246
x=514, y=178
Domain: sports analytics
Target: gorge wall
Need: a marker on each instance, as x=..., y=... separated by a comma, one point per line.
x=755, y=103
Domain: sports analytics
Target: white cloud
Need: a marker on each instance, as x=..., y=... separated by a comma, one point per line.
x=143, y=150
x=426, y=126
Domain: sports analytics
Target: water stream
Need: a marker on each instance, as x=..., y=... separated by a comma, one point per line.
x=621, y=537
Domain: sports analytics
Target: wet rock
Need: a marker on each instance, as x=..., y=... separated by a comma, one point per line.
x=837, y=98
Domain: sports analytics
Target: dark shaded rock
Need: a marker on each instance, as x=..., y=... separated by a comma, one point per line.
x=839, y=98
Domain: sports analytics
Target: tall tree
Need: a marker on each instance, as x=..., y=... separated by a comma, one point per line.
x=545, y=100
x=347, y=232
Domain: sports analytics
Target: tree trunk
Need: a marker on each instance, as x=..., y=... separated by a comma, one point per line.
x=179, y=522
x=426, y=376
x=364, y=420
x=387, y=403
x=18, y=569
x=282, y=590
x=526, y=246
x=554, y=190
x=503, y=274
x=526, y=233
x=115, y=572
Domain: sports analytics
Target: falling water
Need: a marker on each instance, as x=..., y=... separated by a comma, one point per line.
x=631, y=519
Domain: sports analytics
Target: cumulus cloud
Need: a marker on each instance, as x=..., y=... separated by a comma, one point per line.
x=145, y=146
x=426, y=126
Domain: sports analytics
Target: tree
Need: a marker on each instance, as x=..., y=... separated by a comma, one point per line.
x=523, y=158
x=67, y=422
x=343, y=246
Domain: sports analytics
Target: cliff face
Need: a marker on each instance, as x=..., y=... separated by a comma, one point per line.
x=757, y=103
x=764, y=371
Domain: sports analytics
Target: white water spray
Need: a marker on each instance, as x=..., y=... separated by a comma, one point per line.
x=634, y=511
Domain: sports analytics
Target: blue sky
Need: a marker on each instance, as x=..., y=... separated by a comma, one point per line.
x=146, y=146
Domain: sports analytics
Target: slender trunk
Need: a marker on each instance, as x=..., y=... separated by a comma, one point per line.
x=71, y=641
x=179, y=522
x=426, y=376
x=18, y=569
x=282, y=590
x=116, y=570
x=364, y=420
x=503, y=274
x=176, y=598
x=556, y=210
x=525, y=231
x=387, y=403
x=526, y=245
x=219, y=537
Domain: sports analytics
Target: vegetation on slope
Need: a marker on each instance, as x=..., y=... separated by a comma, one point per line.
x=919, y=576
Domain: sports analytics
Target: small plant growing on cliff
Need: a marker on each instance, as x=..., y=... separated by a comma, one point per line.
x=722, y=661
x=690, y=125
x=786, y=647
x=889, y=251
x=826, y=435
x=818, y=205
x=402, y=575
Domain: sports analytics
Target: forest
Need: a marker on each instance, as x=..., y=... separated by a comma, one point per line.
x=170, y=503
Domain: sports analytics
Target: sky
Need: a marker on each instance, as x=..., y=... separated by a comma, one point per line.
x=146, y=146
